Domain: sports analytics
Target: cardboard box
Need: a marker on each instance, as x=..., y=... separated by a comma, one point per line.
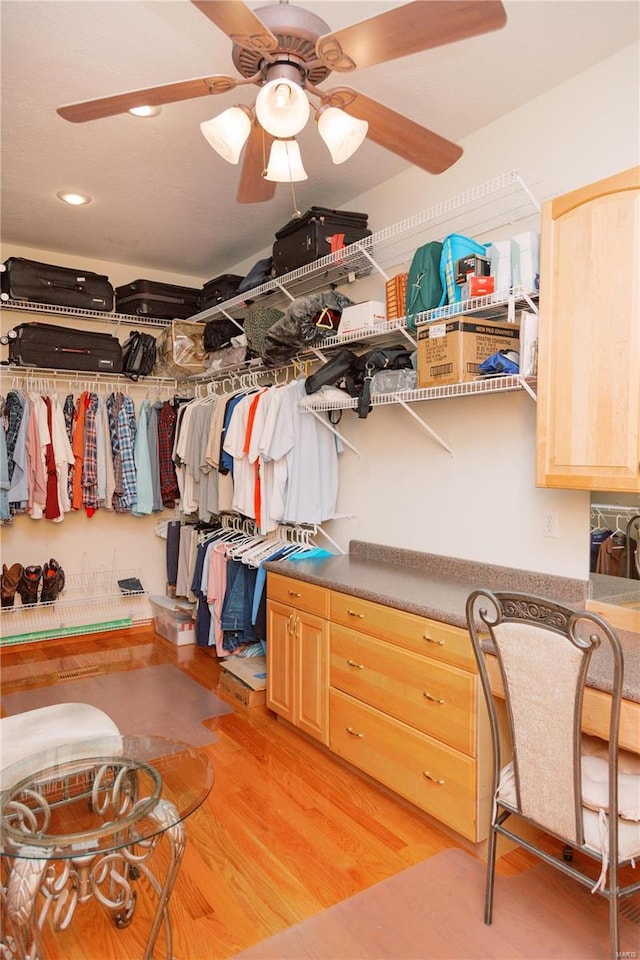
x=477, y=286
x=173, y=620
x=362, y=316
x=478, y=266
x=450, y=351
x=244, y=680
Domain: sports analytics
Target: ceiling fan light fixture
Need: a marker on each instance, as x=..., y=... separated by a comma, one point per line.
x=282, y=107
x=341, y=132
x=73, y=198
x=145, y=111
x=228, y=132
x=285, y=163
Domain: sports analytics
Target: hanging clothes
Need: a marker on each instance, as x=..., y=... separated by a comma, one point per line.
x=613, y=556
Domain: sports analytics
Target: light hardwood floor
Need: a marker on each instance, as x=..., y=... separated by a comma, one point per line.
x=286, y=832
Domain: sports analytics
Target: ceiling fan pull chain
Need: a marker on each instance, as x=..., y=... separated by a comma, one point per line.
x=296, y=213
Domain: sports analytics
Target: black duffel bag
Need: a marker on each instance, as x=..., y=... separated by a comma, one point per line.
x=218, y=333
x=354, y=373
x=138, y=355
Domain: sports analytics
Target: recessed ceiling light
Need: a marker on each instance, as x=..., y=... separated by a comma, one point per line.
x=145, y=111
x=75, y=199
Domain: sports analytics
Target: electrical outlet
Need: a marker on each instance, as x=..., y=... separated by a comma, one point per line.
x=550, y=525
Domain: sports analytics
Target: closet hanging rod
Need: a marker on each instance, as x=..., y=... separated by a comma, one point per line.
x=613, y=508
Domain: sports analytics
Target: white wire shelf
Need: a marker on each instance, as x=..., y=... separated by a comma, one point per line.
x=89, y=602
x=444, y=392
x=84, y=377
x=80, y=314
x=505, y=199
x=492, y=306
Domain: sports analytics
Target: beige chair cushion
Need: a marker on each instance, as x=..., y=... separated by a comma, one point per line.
x=595, y=779
x=61, y=729
x=596, y=839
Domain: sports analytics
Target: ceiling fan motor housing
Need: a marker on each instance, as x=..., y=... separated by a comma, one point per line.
x=296, y=31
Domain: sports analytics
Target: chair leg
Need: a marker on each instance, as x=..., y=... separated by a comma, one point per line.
x=491, y=871
x=614, y=934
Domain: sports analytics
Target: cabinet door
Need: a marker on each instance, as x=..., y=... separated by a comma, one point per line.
x=280, y=621
x=589, y=338
x=311, y=675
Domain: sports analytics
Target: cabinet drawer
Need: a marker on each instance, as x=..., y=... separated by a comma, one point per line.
x=299, y=594
x=433, y=697
x=441, y=641
x=436, y=778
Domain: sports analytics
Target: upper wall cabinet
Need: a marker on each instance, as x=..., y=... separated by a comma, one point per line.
x=589, y=338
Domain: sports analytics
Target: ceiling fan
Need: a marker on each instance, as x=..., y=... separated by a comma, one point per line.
x=282, y=45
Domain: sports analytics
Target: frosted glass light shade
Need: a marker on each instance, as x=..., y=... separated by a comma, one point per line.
x=228, y=132
x=342, y=133
x=282, y=107
x=285, y=163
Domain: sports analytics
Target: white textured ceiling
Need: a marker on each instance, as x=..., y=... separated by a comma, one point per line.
x=162, y=198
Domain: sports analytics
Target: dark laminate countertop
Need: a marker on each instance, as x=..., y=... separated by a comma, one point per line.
x=437, y=587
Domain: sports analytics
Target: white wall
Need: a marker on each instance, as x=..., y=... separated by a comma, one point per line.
x=482, y=503
x=404, y=489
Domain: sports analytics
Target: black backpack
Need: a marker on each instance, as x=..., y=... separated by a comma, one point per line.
x=138, y=355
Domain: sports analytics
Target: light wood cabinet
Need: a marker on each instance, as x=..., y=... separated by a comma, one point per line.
x=394, y=694
x=588, y=429
x=406, y=708
x=298, y=654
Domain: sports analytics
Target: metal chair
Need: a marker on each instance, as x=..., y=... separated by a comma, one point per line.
x=64, y=727
x=557, y=779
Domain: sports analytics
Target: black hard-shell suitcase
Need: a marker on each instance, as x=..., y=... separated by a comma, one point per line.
x=35, y=282
x=166, y=301
x=53, y=347
x=219, y=289
x=308, y=238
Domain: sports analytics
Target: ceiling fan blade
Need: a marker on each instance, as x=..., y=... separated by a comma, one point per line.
x=238, y=22
x=408, y=29
x=395, y=132
x=253, y=188
x=151, y=97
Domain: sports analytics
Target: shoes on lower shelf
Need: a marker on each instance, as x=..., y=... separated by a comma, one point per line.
x=9, y=583
x=29, y=583
x=33, y=583
x=52, y=581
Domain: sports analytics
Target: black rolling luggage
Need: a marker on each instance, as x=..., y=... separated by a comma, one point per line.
x=219, y=289
x=166, y=301
x=53, y=347
x=35, y=282
x=308, y=238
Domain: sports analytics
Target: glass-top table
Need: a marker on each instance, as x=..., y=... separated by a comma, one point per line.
x=82, y=821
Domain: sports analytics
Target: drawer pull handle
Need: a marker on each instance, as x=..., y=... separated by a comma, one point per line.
x=352, y=663
x=433, y=779
x=428, y=696
x=439, y=643
x=352, y=613
x=354, y=733
x=292, y=593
